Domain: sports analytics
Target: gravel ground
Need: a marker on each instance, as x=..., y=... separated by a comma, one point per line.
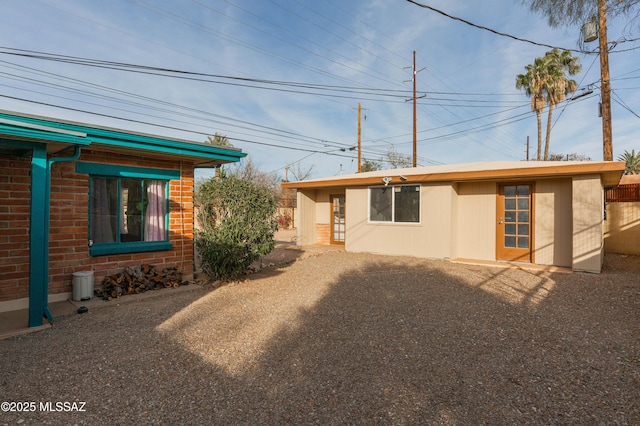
x=344, y=338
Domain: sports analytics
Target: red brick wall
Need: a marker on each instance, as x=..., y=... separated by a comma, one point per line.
x=68, y=240
x=15, y=187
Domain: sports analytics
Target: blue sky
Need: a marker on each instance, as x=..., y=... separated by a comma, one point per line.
x=341, y=52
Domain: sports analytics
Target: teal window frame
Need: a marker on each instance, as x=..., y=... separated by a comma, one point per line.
x=98, y=170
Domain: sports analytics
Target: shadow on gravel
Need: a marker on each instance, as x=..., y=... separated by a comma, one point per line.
x=380, y=341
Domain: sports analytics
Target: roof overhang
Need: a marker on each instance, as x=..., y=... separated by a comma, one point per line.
x=610, y=172
x=60, y=135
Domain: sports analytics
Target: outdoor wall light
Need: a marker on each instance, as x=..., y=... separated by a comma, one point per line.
x=386, y=180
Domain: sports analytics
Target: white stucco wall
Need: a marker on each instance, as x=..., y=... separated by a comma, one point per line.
x=588, y=214
x=553, y=222
x=432, y=237
x=476, y=221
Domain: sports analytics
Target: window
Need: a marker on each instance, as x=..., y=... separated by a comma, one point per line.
x=399, y=204
x=128, y=208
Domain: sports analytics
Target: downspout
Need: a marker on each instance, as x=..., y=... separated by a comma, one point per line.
x=47, y=222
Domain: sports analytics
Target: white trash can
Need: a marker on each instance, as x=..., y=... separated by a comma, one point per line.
x=82, y=285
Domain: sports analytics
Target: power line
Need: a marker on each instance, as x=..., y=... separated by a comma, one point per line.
x=482, y=27
x=169, y=127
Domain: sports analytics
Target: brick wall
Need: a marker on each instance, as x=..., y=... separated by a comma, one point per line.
x=15, y=187
x=69, y=227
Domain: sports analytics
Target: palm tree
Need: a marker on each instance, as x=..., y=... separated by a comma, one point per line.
x=632, y=161
x=218, y=140
x=546, y=83
x=557, y=85
x=533, y=85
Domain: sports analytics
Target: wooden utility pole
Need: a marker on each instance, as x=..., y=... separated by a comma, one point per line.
x=359, y=142
x=607, y=139
x=415, y=120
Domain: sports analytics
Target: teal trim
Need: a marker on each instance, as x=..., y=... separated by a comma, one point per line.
x=42, y=135
x=38, y=255
x=118, y=172
x=135, y=247
x=206, y=151
x=113, y=137
x=97, y=169
x=47, y=221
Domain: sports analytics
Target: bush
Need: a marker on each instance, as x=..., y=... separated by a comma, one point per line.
x=236, y=225
x=284, y=220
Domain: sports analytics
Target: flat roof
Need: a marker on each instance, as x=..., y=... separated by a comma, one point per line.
x=611, y=171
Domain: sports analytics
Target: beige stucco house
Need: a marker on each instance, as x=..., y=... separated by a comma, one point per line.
x=543, y=213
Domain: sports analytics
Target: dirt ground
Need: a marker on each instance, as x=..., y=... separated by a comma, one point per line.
x=343, y=338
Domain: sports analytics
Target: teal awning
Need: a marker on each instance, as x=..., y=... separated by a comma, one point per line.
x=15, y=126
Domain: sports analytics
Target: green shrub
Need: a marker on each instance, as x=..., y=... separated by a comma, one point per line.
x=237, y=224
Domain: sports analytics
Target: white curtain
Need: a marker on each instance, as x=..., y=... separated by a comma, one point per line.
x=101, y=213
x=155, y=216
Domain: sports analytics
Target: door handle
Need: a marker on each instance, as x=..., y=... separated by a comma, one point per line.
x=500, y=222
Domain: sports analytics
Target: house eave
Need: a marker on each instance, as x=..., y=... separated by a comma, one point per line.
x=60, y=134
x=610, y=171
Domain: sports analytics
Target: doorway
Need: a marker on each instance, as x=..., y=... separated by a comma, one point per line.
x=514, y=230
x=337, y=219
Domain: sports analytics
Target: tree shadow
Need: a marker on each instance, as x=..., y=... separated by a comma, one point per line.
x=348, y=339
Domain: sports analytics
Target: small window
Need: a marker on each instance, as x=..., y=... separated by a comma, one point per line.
x=128, y=209
x=400, y=204
x=380, y=205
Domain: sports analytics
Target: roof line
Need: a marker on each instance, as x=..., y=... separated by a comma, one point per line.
x=405, y=177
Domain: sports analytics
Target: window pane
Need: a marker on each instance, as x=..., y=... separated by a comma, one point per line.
x=510, y=204
x=523, y=242
x=523, y=191
x=523, y=204
x=104, y=210
x=510, y=216
x=380, y=204
x=509, y=191
x=510, y=242
x=155, y=210
x=510, y=229
x=523, y=229
x=407, y=200
x=132, y=210
x=523, y=216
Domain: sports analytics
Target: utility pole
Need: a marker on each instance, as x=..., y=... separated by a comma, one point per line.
x=607, y=139
x=527, y=148
x=359, y=143
x=415, y=119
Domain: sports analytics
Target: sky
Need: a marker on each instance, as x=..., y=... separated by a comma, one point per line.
x=282, y=79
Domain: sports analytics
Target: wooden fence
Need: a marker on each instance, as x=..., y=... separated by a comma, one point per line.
x=623, y=193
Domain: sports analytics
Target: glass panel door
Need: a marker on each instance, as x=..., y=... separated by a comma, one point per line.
x=513, y=233
x=337, y=219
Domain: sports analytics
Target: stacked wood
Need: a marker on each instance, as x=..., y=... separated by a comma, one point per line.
x=138, y=279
